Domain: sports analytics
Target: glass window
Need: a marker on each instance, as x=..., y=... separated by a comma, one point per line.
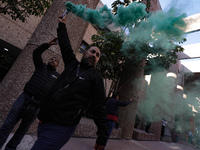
x=8, y=55
x=82, y=47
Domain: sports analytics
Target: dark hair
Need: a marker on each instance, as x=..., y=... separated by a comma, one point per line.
x=55, y=58
x=89, y=46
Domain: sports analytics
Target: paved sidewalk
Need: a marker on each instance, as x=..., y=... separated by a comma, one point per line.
x=88, y=143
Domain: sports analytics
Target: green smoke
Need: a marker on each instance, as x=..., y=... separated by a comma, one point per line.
x=126, y=16
x=157, y=96
x=159, y=28
x=162, y=101
x=101, y=17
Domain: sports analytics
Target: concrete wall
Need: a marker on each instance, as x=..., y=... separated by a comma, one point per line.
x=16, y=32
x=193, y=22
x=155, y=5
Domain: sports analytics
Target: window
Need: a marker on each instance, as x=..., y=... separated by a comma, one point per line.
x=83, y=47
x=8, y=55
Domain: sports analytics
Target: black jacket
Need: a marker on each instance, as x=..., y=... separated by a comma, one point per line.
x=43, y=77
x=88, y=88
x=113, y=104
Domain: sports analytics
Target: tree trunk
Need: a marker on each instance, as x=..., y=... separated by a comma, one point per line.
x=131, y=89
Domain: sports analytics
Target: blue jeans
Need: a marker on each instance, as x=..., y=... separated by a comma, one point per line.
x=111, y=125
x=52, y=136
x=11, y=120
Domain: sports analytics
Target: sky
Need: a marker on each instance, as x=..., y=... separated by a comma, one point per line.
x=189, y=7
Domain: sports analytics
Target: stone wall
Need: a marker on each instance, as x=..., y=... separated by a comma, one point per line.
x=16, y=32
x=87, y=128
x=155, y=5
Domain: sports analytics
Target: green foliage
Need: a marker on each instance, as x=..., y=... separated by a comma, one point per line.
x=159, y=29
x=163, y=59
x=115, y=63
x=21, y=9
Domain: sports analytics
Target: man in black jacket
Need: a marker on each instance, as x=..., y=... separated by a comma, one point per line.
x=26, y=107
x=78, y=85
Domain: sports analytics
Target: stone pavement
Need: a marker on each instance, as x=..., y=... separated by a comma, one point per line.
x=88, y=143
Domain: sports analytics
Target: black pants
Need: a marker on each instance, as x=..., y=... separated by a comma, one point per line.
x=163, y=131
x=147, y=127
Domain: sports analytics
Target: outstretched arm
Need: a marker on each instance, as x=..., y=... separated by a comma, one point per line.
x=37, y=53
x=124, y=103
x=64, y=42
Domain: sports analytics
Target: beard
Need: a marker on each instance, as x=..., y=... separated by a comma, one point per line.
x=50, y=65
x=87, y=62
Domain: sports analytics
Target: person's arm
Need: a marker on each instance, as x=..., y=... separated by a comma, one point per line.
x=124, y=103
x=64, y=42
x=98, y=103
x=37, y=53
